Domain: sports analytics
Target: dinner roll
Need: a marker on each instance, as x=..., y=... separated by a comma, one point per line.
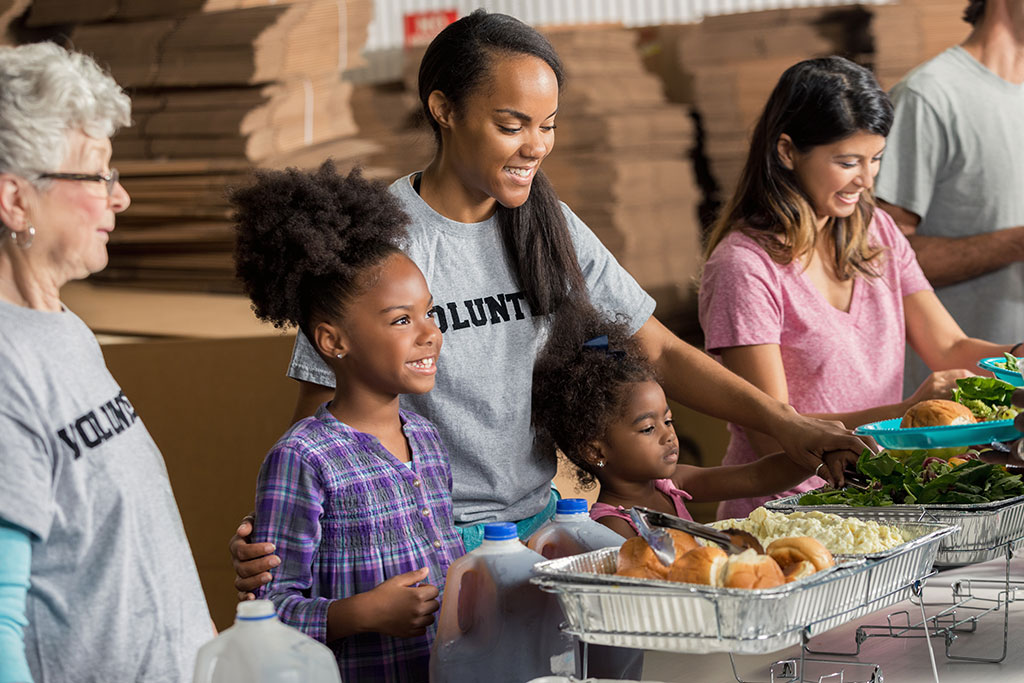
x=796, y=549
x=640, y=573
x=636, y=559
x=683, y=541
x=704, y=565
x=798, y=570
x=750, y=570
x=937, y=413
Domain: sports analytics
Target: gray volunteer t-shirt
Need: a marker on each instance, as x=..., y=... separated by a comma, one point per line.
x=481, y=401
x=955, y=157
x=114, y=593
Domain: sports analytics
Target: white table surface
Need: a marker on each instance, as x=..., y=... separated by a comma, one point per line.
x=903, y=660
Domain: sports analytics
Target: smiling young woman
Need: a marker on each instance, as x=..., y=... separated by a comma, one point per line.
x=808, y=291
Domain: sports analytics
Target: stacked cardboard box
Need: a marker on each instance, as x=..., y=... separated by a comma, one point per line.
x=218, y=87
x=242, y=83
x=177, y=233
x=245, y=123
x=912, y=32
x=621, y=162
x=731, y=63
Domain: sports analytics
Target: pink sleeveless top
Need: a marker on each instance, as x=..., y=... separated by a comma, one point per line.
x=677, y=496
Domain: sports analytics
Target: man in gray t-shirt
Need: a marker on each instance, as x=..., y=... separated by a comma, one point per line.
x=953, y=177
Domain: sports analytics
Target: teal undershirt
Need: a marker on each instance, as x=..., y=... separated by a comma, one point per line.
x=473, y=534
x=16, y=551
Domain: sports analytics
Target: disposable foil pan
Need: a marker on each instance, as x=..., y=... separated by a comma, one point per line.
x=985, y=528
x=605, y=609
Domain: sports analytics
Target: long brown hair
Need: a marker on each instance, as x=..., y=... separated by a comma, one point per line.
x=816, y=102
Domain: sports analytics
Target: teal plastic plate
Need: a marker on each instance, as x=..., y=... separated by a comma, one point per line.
x=889, y=435
x=1000, y=372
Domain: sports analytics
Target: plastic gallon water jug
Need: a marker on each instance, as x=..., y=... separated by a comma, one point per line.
x=495, y=625
x=572, y=532
x=260, y=649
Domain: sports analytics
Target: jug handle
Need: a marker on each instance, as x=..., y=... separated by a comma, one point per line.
x=469, y=584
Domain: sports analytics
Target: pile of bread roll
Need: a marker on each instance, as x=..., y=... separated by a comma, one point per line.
x=785, y=560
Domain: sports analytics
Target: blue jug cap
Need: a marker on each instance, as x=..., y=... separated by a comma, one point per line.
x=500, y=531
x=571, y=506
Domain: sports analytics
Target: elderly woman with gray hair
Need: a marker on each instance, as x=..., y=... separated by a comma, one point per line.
x=83, y=595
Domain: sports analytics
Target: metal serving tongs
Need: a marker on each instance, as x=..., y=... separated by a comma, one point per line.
x=857, y=479
x=646, y=519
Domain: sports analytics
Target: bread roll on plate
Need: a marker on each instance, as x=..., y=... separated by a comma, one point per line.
x=750, y=570
x=937, y=413
x=704, y=565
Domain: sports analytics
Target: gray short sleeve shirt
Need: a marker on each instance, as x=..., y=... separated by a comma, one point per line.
x=481, y=400
x=955, y=157
x=114, y=592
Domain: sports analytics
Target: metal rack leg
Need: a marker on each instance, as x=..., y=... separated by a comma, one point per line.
x=947, y=623
x=794, y=670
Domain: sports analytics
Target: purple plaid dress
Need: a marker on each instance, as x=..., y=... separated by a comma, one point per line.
x=345, y=516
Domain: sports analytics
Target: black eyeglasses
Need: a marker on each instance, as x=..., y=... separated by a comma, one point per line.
x=110, y=179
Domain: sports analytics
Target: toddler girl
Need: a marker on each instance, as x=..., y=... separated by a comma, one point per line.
x=597, y=398
x=357, y=498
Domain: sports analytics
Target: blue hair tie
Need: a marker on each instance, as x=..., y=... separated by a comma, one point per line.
x=601, y=344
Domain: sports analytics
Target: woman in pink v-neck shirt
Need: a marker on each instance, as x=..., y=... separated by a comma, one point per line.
x=808, y=291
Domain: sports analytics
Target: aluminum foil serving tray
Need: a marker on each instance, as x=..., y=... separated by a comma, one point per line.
x=985, y=528
x=605, y=609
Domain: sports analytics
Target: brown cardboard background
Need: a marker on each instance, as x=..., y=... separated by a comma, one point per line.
x=214, y=407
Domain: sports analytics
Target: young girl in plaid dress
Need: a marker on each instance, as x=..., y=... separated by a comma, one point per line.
x=357, y=498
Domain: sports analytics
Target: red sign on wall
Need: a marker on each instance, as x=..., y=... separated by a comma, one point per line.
x=421, y=27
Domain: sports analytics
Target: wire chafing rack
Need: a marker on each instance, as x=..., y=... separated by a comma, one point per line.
x=605, y=609
x=987, y=531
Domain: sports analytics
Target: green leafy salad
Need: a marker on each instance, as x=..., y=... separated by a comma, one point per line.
x=1012, y=363
x=988, y=398
x=919, y=479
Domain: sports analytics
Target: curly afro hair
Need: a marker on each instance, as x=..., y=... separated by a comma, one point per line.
x=577, y=391
x=305, y=239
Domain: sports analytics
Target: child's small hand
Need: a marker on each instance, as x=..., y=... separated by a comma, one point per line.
x=398, y=607
x=835, y=462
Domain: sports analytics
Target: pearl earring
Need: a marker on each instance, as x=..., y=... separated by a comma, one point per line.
x=341, y=355
x=24, y=238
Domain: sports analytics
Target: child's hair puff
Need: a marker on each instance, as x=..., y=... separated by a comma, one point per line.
x=578, y=391
x=305, y=238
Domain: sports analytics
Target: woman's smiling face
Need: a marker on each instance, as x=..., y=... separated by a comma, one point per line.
x=506, y=129
x=834, y=176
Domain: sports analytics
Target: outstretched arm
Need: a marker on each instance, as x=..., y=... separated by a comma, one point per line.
x=692, y=378
x=937, y=338
x=768, y=475
x=949, y=260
